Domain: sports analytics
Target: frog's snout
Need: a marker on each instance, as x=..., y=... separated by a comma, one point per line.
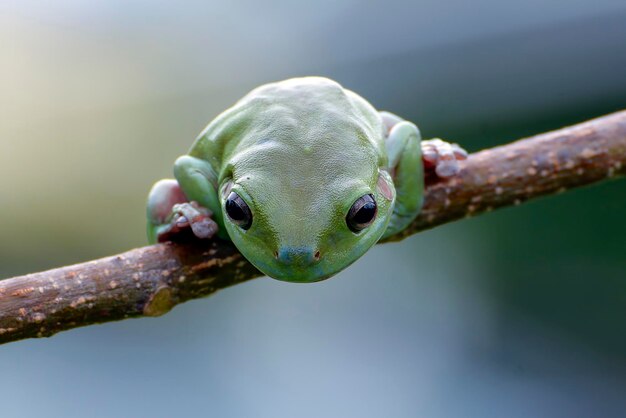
x=301, y=256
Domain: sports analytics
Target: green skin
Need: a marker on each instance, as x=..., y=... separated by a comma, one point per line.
x=299, y=153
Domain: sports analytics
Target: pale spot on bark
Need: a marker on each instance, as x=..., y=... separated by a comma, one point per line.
x=588, y=153
x=38, y=317
x=78, y=302
x=219, y=262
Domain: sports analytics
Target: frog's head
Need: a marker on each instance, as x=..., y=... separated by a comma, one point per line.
x=305, y=219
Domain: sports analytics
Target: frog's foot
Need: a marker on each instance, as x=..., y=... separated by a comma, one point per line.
x=192, y=215
x=171, y=216
x=442, y=156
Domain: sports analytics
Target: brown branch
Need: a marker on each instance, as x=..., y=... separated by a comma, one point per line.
x=544, y=164
x=149, y=281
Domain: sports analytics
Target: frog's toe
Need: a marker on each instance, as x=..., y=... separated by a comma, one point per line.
x=459, y=152
x=181, y=222
x=203, y=227
x=196, y=217
x=447, y=168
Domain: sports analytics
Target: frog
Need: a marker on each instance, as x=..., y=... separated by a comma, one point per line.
x=303, y=176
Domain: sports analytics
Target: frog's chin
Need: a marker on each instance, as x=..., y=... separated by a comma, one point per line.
x=308, y=274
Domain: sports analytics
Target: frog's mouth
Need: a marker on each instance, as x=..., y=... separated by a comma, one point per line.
x=297, y=274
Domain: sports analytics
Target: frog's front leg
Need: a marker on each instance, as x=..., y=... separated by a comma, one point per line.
x=187, y=203
x=408, y=158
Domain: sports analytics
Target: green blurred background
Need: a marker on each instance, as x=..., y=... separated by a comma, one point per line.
x=521, y=312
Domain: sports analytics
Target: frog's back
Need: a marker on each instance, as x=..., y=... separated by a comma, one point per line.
x=307, y=112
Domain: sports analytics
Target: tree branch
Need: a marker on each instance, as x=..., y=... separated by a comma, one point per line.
x=149, y=281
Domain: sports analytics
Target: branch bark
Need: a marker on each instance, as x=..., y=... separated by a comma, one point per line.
x=149, y=281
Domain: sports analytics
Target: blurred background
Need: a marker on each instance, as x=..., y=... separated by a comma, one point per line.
x=517, y=313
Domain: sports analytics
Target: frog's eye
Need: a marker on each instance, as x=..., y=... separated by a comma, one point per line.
x=238, y=211
x=362, y=213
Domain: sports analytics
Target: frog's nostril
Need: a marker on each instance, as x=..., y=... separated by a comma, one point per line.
x=276, y=254
x=317, y=255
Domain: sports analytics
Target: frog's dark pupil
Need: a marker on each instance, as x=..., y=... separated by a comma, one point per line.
x=362, y=213
x=365, y=214
x=234, y=211
x=238, y=211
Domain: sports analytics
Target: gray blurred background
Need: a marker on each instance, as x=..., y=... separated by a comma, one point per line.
x=517, y=313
